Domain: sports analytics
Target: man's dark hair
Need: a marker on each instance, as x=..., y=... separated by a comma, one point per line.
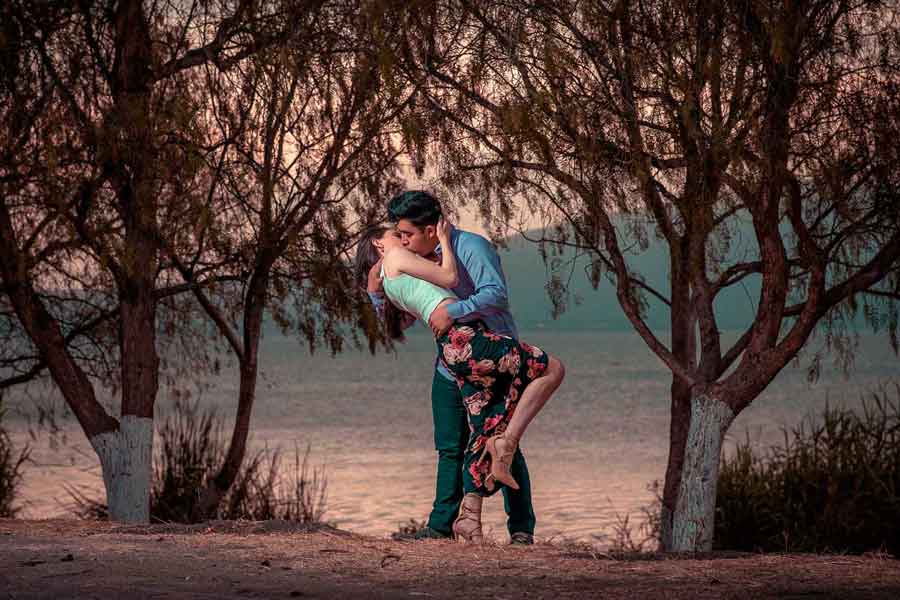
x=419, y=207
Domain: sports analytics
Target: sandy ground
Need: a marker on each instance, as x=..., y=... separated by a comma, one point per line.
x=80, y=559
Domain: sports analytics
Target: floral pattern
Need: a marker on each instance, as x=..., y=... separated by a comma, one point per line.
x=477, y=401
x=535, y=368
x=458, y=349
x=491, y=371
x=457, y=354
x=510, y=362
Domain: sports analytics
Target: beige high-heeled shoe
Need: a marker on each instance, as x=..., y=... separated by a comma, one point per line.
x=467, y=526
x=500, y=462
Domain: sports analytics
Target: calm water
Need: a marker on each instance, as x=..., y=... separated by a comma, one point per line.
x=591, y=452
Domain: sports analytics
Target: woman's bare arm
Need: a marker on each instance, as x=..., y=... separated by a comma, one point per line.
x=401, y=260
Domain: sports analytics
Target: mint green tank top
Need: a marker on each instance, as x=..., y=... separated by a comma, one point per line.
x=414, y=295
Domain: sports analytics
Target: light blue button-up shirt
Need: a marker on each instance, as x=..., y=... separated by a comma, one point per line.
x=482, y=287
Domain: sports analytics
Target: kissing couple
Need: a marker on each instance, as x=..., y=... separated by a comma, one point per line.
x=487, y=386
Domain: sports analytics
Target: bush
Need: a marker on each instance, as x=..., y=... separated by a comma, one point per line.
x=648, y=534
x=190, y=451
x=260, y=494
x=409, y=529
x=833, y=486
x=11, y=464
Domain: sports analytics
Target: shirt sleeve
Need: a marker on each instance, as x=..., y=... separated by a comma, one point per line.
x=377, y=299
x=480, y=259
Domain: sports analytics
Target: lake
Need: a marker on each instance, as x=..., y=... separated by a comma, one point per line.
x=591, y=452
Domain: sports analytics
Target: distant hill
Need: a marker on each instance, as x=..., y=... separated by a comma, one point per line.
x=527, y=276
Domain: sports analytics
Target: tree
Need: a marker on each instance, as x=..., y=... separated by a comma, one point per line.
x=686, y=120
x=302, y=152
x=93, y=96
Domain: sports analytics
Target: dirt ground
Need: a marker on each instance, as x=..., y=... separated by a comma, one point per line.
x=81, y=559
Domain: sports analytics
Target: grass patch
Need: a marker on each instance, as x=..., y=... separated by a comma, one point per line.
x=11, y=463
x=190, y=449
x=833, y=486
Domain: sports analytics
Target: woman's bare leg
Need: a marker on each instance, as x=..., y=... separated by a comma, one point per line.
x=535, y=395
x=533, y=399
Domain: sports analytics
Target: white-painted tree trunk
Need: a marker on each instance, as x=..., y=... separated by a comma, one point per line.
x=693, y=519
x=126, y=462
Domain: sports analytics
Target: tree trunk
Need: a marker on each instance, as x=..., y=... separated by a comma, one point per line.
x=123, y=447
x=126, y=457
x=126, y=462
x=678, y=435
x=684, y=348
x=126, y=454
x=211, y=496
x=694, y=516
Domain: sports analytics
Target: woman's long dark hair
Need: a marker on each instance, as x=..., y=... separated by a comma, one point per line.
x=366, y=257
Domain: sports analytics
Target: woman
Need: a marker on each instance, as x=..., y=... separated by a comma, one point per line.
x=504, y=383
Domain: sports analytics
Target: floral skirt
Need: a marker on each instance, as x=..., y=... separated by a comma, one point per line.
x=491, y=371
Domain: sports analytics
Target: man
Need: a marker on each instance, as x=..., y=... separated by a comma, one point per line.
x=483, y=295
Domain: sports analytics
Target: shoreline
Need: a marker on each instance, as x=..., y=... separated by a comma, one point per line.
x=276, y=559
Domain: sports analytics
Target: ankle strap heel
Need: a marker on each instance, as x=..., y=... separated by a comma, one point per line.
x=467, y=526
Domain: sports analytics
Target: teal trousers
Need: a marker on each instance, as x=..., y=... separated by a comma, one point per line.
x=451, y=435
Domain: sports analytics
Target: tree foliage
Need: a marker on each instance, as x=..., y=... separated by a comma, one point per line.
x=173, y=172
x=691, y=121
